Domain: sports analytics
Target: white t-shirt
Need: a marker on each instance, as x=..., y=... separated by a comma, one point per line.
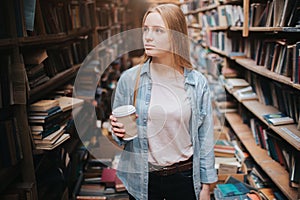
x=168, y=118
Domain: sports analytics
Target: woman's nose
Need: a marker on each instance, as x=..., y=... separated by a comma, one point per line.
x=148, y=35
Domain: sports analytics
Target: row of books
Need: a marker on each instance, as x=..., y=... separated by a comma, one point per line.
x=279, y=57
x=277, y=95
x=268, y=93
x=59, y=17
x=274, y=13
x=99, y=181
x=42, y=64
x=108, y=15
x=239, y=179
x=236, y=189
x=224, y=15
x=277, y=149
x=62, y=17
x=48, y=119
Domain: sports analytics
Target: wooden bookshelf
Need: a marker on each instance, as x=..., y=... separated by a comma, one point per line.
x=273, y=169
x=241, y=42
x=71, y=29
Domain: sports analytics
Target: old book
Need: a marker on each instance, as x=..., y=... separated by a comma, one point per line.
x=296, y=63
x=267, y=193
x=232, y=189
x=278, y=118
x=278, y=8
x=43, y=105
x=50, y=138
x=286, y=12
x=44, y=133
x=35, y=57
x=233, y=84
x=44, y=113
x=62, y=139
x=246, y=93
x=67, y=103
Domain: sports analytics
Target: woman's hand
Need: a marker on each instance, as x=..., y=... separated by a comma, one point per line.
x=117, y=127
x=205, y=192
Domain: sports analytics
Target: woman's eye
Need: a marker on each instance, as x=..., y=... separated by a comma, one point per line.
x=159, y=30
x=145, y=29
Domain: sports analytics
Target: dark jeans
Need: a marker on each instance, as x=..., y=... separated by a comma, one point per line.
x=177, y=186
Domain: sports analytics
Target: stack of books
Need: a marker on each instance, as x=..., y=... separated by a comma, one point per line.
x=47, y=122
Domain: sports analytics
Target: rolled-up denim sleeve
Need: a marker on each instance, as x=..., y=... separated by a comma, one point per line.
x=206, y=136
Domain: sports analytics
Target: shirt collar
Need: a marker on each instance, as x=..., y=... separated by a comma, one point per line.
x=188, y=75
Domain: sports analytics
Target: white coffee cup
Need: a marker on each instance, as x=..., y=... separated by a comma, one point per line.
x=126, y=115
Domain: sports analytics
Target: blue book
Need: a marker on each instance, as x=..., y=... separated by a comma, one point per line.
x=278, y=118
x=232, y=189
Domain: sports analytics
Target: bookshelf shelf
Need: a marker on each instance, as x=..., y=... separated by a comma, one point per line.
x=240, y=49
x=223, y=53
x=260, y=109
x=250, y=64
x=53, y=83
x=258, y=29
x=194, y=26
x=53, y=38
x=4, y=43
x=218, y=28
x=203, y=9
x=273, y=169
x=230, y=2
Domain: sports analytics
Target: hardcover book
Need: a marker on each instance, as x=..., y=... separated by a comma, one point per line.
x=278, y=119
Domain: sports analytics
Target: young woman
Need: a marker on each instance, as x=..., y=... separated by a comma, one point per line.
x=172, y=157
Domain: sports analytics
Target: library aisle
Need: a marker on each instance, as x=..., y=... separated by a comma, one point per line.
x=57, y=83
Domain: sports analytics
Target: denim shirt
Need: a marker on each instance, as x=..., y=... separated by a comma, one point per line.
x=133, y=165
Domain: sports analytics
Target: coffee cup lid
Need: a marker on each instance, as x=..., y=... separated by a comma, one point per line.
x=123, y=110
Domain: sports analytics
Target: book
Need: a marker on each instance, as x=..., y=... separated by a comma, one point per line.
x=67, y=103
x=224, y=146
x=45, y=112
x=35, y=57
x=43, y=105
x=62, y=139
x=246, y=93
x=232, y=189
x=45, y=119
x=51, y=138
x=236, y=83
x=278, y=119
x=44, y=133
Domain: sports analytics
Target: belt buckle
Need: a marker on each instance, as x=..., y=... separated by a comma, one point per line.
x=164, y=171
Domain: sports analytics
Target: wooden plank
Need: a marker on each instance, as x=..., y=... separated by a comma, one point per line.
x=272, y=168
x=246, y=18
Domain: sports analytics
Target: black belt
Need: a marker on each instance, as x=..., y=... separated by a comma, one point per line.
x=172, y=169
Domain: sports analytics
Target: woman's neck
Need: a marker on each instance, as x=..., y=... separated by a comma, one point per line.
x=166, y=61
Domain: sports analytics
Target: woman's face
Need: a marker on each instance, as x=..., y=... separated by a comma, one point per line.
x=155, y=36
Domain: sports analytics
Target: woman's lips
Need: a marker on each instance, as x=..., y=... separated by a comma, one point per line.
x=149, y=46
